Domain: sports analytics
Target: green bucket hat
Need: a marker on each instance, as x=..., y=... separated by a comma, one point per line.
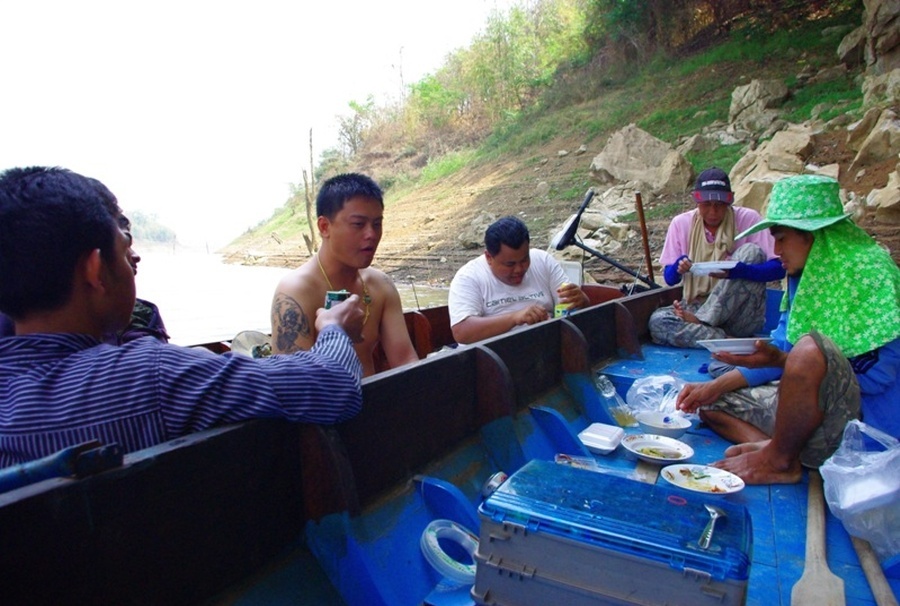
x=804, y=202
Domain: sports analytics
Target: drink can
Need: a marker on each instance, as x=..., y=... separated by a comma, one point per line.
x=560, y=310
x=333, y=297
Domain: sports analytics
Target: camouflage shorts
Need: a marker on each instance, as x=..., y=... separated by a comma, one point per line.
x=735, y=308
x=838, y=398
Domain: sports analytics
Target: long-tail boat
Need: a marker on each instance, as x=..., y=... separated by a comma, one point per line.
x=270, y=512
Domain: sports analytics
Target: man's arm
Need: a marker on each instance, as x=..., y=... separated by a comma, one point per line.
x=293, y=328
x=672, y=273
x=398, y=349
x=476, y=328
x=694, y=395
x=767, y=271
x=199, y=390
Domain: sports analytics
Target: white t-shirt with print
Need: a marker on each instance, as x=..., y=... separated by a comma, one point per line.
x=475, y=291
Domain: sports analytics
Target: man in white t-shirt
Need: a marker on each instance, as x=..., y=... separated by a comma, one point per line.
x=510, y=285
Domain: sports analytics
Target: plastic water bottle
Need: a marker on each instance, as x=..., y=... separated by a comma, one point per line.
x=617, y=408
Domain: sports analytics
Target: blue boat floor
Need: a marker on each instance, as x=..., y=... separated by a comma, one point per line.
x=779, y=548
x=375, y=558
x=686, y=364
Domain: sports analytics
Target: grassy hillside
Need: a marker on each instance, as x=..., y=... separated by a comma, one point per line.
x=671, y=98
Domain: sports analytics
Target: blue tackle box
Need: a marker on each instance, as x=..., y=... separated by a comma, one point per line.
x=557, y=534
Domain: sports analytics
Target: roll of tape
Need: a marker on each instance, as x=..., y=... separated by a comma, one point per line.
x=440, y=560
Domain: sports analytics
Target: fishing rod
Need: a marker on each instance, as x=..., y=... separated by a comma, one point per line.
x=568, y=237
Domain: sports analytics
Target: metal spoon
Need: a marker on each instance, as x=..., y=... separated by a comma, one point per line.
x=714, y=514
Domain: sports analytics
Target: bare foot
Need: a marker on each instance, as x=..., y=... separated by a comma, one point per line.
x=684, y=314
x=739, y=449
x=760, y=467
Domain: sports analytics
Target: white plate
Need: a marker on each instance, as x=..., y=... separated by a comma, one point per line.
x=704, y=269
x=701, y=478
x=657, y=449
x=601, y=438
x=733, y=346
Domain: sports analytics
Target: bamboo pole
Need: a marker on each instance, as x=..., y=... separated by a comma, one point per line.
x=644, y=237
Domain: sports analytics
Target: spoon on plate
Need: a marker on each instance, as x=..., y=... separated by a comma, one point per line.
x=706, y=537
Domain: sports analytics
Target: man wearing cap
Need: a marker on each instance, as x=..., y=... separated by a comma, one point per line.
x=835, y=353
x=725, y=303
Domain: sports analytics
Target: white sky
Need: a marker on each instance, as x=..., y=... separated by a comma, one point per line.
x=199, y=111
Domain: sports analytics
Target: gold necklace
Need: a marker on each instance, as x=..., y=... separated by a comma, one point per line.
x=367, y=300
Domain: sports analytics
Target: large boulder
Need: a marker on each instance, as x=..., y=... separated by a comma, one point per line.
x=859, y=130
x=882, y=25
x=619, y=200
x=882, y=142
x=852, y=49
x=881, y=90
x=789, y=149
x=887, y=200
x=753, y=105
x=471, y=236
x=632, y=154
x=753, y=176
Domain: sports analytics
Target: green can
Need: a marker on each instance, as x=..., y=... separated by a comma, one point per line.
x=333, y=297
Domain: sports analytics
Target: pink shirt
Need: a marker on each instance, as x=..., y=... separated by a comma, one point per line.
x=678, y=237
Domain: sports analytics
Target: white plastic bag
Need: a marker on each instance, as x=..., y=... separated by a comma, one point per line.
x=657, y=394
x=862, y=487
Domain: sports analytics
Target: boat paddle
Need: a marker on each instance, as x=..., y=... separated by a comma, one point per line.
x=818, y=586
x=884, y=595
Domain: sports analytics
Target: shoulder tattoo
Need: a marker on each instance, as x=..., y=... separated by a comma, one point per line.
x=290, y=322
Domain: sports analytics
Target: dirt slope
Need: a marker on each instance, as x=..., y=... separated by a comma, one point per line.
x=420, y=234
x=420, y=230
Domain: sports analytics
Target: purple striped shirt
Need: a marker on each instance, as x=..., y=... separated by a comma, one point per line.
x=57, y=390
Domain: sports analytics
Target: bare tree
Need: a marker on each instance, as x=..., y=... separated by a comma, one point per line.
x=309, y=186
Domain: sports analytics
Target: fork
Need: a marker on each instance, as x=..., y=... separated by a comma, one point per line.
x=706, y=537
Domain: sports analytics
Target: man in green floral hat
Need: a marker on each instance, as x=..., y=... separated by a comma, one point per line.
x=835, y=353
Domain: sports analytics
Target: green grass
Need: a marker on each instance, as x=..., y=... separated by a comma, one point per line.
x=724, y=156
x=446, y=165
x=839, y=96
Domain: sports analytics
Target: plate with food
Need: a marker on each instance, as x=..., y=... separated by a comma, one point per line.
x=733, y=346
x=702, y=478
x=657, y=449
x=710, y=267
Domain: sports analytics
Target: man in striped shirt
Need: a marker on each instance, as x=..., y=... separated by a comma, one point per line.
x=66, y=279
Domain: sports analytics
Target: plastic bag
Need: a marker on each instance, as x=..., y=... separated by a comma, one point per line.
x=862, y=487
x=657, y=393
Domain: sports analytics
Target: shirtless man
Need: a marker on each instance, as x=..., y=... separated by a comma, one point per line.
x=349, y=209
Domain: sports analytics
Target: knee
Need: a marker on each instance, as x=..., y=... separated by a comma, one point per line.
x=805, y=359
x=749, y=253
x=659, y=316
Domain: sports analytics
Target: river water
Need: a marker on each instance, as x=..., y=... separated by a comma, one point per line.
x=202, y=299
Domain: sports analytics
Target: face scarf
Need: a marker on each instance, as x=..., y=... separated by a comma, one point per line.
x=849, y=291
x=701, y=251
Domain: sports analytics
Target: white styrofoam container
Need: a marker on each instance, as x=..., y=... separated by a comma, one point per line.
x=601, y=438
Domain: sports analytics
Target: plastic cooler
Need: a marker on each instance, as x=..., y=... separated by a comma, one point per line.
x=556, y=534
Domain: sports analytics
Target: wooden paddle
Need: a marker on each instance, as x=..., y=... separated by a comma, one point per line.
x=884, y=595
x=818, y=586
